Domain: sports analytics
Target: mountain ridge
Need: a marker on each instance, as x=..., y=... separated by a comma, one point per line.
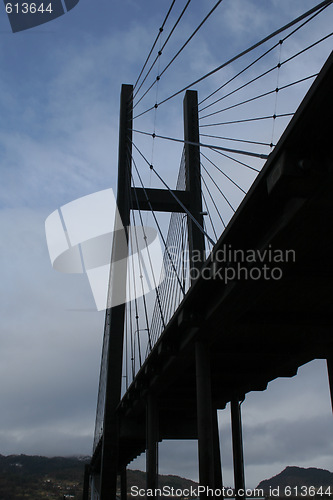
x=299, y=476
x=34, y=477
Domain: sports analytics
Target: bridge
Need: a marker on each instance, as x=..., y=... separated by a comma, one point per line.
x=234, y=312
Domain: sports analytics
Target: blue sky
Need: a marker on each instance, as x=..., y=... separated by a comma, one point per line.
x=59, y=105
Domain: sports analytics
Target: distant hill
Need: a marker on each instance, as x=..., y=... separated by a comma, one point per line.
x=24, y=477
x=298, y=476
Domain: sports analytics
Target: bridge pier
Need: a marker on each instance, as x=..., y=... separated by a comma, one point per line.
x=237, y=446
x=86, y=480
x=204, y=418
x=123, y=483
x=218, y=483
x=152, y=436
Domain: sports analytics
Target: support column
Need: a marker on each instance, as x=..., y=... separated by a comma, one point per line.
x=152, y=436
x=85, y=495
x=330, y=376
x=204, y=418
x=123, y=483
x=115, y=315
x=237, y=446
x=218, y=482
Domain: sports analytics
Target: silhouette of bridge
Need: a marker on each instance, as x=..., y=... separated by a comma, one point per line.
x=239, y=312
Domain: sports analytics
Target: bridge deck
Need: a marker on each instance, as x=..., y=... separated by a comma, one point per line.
x=256, y=330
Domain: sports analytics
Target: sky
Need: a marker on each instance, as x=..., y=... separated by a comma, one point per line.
x=59, y=101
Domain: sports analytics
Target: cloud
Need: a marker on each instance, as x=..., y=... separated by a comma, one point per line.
x=63, y=146
x=49, y=441
x=244, y=18
x=281, y=440
x=48, y=354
